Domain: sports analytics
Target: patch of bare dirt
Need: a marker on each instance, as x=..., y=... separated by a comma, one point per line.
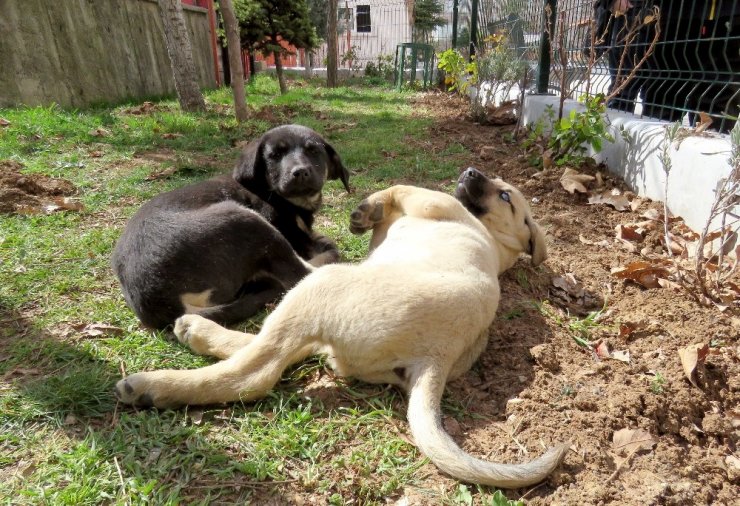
x=535, y=385
x=32, y=193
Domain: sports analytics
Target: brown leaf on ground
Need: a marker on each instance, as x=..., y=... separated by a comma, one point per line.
x=612, y=198
x=573, y=181
x=98, y=329
x=629, y=440
x=652, y=214
x=602, y=243
x=692, y=358
x=144, y=108
x=628, y=235
x=627, y=328
x=602, y=349
x=171, y=135
x=162, y=174
x=4, y=122
x=643, y=273
x=622, y=356
x=99, y=132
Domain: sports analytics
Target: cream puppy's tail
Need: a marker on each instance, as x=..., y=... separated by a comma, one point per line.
x=424, y=416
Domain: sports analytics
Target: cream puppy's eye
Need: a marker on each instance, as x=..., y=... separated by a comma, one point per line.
x=505, y=196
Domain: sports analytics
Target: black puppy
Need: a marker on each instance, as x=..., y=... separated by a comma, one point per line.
x=224, y=247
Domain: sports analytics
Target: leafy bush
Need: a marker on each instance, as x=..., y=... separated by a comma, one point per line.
x=382, y=69
x=459, y=74
x=573, y=133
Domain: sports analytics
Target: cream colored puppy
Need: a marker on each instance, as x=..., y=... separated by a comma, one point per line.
x=415, y=314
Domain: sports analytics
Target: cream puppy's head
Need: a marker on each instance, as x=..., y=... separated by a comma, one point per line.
x=504, y=211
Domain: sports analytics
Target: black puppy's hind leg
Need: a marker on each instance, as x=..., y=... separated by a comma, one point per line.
x=286, y=269
x=251, y=300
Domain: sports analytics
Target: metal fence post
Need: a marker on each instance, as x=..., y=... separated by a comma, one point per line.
x=548, y=28
x=473, y=27
x=455, y=5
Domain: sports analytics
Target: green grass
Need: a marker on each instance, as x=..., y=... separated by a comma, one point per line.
x=63, y=438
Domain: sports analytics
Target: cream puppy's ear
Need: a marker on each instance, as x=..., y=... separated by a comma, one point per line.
x=537, y=242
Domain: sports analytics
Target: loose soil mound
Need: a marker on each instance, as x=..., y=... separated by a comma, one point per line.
x=28, y=192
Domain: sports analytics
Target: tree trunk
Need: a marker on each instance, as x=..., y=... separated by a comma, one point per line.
x=180, y=51
x=231, y=26
x=331, y=45
x=308, y=64
x=279, y=72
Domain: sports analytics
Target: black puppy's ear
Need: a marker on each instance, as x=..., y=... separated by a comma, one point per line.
x=336, y=168
x=249, y=169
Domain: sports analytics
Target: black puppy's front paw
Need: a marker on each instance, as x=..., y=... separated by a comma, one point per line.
x=365, y=216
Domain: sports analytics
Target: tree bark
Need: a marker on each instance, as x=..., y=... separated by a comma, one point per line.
x=280, y=73
x=180, y=52
x=231, y=26
x=308, y=64
x=331, y=45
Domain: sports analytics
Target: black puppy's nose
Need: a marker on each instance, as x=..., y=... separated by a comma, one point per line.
x=300, y=173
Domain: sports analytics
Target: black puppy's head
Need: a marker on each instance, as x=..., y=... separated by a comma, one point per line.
x=292, y=161
x=504, y=211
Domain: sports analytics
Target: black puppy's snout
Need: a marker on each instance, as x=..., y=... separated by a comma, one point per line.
x=300, y=173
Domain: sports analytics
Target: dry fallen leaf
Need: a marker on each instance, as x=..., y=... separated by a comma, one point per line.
x=63, y=204
x=629, y=440
x=98, y=329
x=693, y=357
x=4, y=122
x=627, y=328
x=612, y=198
x=603, y=243
x=705, y=120
x=622, y=356
x=602, y=349
x=171, y=135
x=642, y=272
x=630, y=232
x=99, y=132
x=574, y=181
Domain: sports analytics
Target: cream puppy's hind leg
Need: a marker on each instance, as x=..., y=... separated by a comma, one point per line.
x=206, y=337
x=248, y=374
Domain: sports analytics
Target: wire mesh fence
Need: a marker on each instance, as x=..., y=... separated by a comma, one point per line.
x=680, y=59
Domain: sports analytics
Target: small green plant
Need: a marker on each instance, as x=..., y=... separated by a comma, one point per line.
x=459, y=74
x=656, y=385
x=571, y=134
x=381, y=69
x=351, y=57
x=499, y=499
x=463, y=495
x=514, y=313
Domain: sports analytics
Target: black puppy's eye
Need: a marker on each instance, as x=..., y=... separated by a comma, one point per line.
x=505, y=196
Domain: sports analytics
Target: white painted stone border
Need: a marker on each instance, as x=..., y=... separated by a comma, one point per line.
x=698, y=164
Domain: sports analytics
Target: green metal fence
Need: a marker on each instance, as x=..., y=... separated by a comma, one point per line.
x=670, y=60
x=691, y=66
